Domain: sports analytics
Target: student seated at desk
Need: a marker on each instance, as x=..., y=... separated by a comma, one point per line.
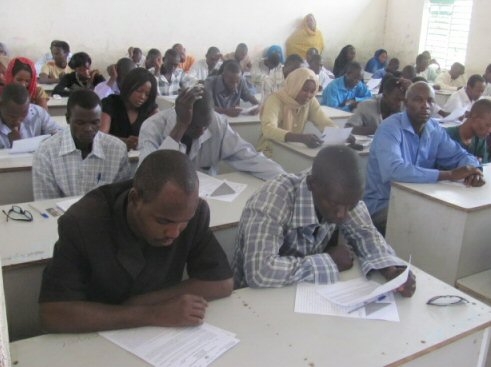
x=268, y=67
x=153, y=61
x=211, y=64
x=466, y=97
x=192, y=127
x=53, y=70
x=171, y=78
x=346, y=91
x=81, y=78
x=285, y=113
x=47, y=57
x=370, y=113
x=285, y=229
x=122, y=251
x=20, y=119
x=392, y=68
x=20, y=70
x=324, y=75
x=423, y=69
x=452, y=79
x=80, y=158
x=117, y=73
x=346, y=56
x=123, y=114
x=228, y=88
x=136, y=55
x=271, y=85
x=240, y=56
x=412, y=147
x=377, y=62
x=186, y=61
x=472, y=134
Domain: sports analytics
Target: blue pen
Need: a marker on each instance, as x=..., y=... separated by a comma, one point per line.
x=379, y=298
x=42, y=214
x=99, y=177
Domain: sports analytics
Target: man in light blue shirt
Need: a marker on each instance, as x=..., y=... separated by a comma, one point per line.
x=411, y=147
x=346, y=91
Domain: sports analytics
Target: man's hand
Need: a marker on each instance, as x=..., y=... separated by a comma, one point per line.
x=342, y=255
x=184, y=310
x=185, y=102
x=131, y=142
x=464, y=172
x=408, y=288
x=311, y=140
x=476, y=180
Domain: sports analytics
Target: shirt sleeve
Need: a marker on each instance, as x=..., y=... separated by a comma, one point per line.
x=369, y=245
x=451, y=154
x=124, y=172
x=318, y=117
x=270, y=118
x=43, y=178
x=330, y=98
x=63, y=86
x=362, y=92
x=261, y=236
x=48, y=125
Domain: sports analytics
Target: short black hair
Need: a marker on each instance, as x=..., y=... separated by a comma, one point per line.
x=391, y=84
x=481, y=107
x=171, y=53
x=294, y=58
x=153, y=52
x=161, y=167
x=61, y=44
x=84, y=98
x=137, y=50
x=123, y=67
x=338, y=166
x=79, y=59
x=15, y=93
x=202, y=110
x=242, y=46
x=133, y=80
x=353, y=66
x=231, y=66
x=476, y=78
x=213, y=50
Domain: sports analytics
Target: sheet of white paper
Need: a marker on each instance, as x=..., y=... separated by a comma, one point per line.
x=357, y=291
x=66, y=204
x=373, y=84
x=363, y=140
x=250, y=110
x=334, y=135
x=309, y=301
x=27, y=145
x=454, y=115
x=214, y=188
x=191, y=346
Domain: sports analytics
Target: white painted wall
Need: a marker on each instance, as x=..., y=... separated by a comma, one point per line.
x=106, y=28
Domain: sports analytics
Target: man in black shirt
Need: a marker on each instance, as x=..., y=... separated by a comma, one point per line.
x=122, y=249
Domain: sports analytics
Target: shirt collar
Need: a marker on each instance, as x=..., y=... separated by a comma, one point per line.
x=406, y=125
x=68, y=145
x=303, y=209
x=222, y=89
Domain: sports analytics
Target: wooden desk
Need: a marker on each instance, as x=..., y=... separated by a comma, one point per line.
x=340, y=117
x=271, y=334
x=26, y=247
x=445, y=227
x=57, y=106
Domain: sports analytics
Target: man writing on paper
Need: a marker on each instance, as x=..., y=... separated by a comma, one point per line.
x=285, y=228
x=122, y=250
x=194, y=128
x=412, y=147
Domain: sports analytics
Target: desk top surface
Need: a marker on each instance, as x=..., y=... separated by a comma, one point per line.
x=336, y=113
x=26, y=242
x=310, y=153
x=244, y=119
x=454, y=194
x=271, y=334
x=57, y=102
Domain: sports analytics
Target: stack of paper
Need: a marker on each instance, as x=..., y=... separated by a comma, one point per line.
x=335, y=136
x=27, y=145
x=224, y=190
x=191, y=346
x=66, y=204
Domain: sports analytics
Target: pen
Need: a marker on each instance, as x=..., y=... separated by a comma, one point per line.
x=42, y=214
x=379, y=298
x=98, y=177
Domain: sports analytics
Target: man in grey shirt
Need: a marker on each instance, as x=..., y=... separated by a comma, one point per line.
x=205, y=136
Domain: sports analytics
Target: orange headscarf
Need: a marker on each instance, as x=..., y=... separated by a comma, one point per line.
x=9, y=75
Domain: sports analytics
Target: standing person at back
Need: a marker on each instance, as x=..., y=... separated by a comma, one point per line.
x=80, y=158
x=306, y=36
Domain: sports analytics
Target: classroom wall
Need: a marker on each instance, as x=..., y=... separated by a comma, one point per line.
x=107, y=28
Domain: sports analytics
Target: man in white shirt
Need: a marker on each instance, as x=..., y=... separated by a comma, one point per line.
x=201, y=69
x=194, y=128
x=465, y=97
x=80, y=158
x=20, y=119
x=452, y=79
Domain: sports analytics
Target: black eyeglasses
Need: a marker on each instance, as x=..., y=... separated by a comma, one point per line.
x=446, y=300
x=18, y=214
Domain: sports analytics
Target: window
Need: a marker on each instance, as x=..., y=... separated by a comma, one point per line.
x=446, y=30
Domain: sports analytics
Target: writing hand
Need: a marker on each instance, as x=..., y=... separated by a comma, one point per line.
x=311, y=140
x=342, y=255
x=184, y=310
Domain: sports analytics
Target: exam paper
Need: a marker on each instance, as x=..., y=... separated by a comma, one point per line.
x=454, y=115
x=27, y=145
x=373, y=84
x=308, y=300
x=66, y=204
x=187, y=346
x=335, y=136
x=250, y=110
x=214, y=188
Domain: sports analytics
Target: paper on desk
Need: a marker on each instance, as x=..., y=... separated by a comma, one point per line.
x=190, y=346
x=66, y=204
x=214, y=188
x=373, y=84
x=364, y=140
x=27, y=145
x=454, y=115
x=335, y=135
x=358, y=291
x=309, y=301
x=250, y=110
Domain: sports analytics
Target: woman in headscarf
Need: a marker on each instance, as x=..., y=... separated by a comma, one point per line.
x=21, y=70
x=285, y=113
x=346, y=55
x=305, y=37
x=377, y=62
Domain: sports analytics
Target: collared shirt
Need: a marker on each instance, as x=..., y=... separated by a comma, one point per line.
x=325, y=77
x=445, y=81
x=337, y=93
x=477, y=147
x=262, y=74
x=103, y=90
x=178, y=80
x=430, y=74
x=281, y=241
x=200, y=70
x=397, y=153
x=367, y=114
x=53, y=71
x=97, y=258
x=218, y=142
x=37, y=122
x=457, y=100
x=58, y=169
x=222, y=97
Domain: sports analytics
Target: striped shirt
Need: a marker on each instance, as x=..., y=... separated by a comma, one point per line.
x=281, y=241
x=58, y=169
